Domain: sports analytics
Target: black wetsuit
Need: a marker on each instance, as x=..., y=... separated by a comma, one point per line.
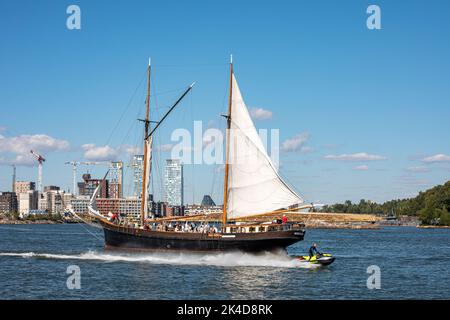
x=312, y=251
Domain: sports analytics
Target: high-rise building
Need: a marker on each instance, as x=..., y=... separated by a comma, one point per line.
x=88, y=186
x=8, y=202
x=115, y=180
x=51, y=201
x=174, y=182
x=24, y=186
x=138, y=170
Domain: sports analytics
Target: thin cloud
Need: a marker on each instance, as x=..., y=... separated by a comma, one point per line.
x=260, y=114
x=164, y=147
x=108, y=153
x=436, y=158
x=361, y=168
x=306, y=149
x=361, y=156
x=418, y=169
x=296, y=143
x=132, y=150
x=411, y=181
x=16, y=150
x=101, y=153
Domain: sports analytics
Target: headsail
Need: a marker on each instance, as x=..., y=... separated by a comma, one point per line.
x=92, y=206
x=254, y=186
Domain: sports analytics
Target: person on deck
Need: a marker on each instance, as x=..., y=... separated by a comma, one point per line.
x=284, y=220
x=313, y=251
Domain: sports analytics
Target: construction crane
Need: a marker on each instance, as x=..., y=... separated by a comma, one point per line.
x=14, y=178
x=75, y=165
x=40, y=159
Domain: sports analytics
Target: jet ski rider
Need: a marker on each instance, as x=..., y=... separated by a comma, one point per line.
x=313, y=250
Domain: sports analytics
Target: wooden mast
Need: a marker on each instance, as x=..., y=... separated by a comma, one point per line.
x=227, y=146
x=146, y=137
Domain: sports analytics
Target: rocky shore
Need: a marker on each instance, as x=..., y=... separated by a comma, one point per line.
x=7, y=221
x=434, y=227
x=312, y=220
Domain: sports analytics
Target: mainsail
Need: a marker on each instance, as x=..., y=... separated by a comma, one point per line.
x=254, y=185
x=147, y=175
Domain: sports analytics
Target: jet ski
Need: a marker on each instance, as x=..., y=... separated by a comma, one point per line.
x=323, y=259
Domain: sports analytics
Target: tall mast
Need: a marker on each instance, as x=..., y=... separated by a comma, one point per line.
x=146, y=137
x=227, y=146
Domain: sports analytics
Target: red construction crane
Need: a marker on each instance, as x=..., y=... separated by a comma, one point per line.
x=40, y=159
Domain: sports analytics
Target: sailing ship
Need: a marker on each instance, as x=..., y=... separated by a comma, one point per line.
x=252, y=187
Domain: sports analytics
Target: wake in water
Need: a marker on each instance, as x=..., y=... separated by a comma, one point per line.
x=228, y=259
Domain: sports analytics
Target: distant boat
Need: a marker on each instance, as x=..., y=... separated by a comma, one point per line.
x=252, y=187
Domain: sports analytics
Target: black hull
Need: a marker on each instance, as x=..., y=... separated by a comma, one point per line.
x=130, y=239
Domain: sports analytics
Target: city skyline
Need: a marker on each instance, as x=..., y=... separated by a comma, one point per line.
x=362, y=113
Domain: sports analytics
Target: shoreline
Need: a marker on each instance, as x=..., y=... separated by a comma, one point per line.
x=13, y=222
x=433, y=227
x=308, y=226
x=310, y=220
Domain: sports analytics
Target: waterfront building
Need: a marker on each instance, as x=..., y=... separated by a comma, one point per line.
x=51, y=188
x=130, y=208
x=43, y=202
x=28, y=201
x=8, y=202
x=23, y=186
x=35, y=212
x=67, y=200
x=126, y=207
x=51, y=200
x=80, y=204
x=159, y=209
x=55, y=202
x=107, y=205
x=174, y=211
x=193, y=209
x=174, y=182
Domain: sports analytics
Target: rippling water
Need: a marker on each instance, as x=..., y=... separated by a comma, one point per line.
x=414, y=264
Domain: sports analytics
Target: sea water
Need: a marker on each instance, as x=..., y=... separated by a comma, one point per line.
x=413, y=264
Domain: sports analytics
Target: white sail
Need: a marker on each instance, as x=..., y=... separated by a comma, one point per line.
x=92, y=206
x=254, y=186
x=147, y=176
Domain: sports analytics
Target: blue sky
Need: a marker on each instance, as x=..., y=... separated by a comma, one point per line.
x=366, y=110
